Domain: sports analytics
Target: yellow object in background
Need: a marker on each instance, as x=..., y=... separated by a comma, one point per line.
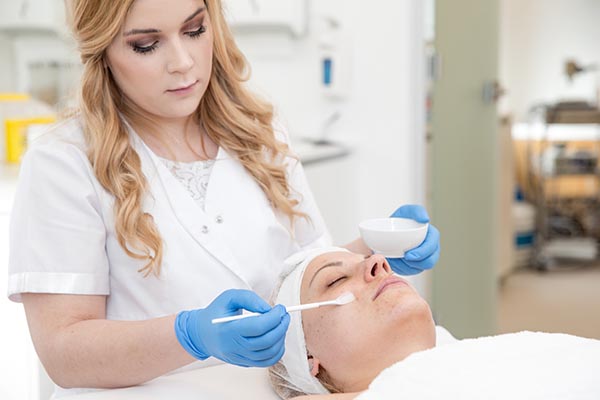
x=19, y=114
x=16, y=135
x=14, y=97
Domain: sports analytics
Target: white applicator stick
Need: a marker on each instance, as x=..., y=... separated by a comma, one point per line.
x=345, y=298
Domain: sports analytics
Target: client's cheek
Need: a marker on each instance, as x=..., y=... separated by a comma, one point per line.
x=317, y=326
x=323, y=326
x=315, y=330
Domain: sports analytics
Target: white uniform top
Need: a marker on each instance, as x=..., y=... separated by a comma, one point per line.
x=63, y=240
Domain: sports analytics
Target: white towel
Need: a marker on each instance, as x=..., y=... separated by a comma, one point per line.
x=525, y=365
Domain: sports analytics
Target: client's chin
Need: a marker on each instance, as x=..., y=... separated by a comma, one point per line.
x=410, y=329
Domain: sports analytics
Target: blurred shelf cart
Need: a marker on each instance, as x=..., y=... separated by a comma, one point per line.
x=563, y=182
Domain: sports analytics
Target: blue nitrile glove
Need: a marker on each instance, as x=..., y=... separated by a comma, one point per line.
x=250, y=342
x=427, y=254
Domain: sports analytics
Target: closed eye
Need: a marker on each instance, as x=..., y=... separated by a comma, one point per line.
x=341, y=278
x=197, y=32
x=154, y=45
x=144, y=49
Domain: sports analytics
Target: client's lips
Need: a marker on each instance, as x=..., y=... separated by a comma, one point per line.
x=390, y=281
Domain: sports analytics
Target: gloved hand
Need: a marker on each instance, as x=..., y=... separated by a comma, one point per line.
x=250, y=342
x=427, y=254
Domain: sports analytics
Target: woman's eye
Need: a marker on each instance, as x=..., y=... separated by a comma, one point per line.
x=341, y=278
x=144, y=49
x=197, y=32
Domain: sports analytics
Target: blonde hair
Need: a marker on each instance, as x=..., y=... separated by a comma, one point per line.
x=281, y=382
x=232, y=116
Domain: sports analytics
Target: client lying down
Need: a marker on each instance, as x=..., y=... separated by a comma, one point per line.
x=383, y=344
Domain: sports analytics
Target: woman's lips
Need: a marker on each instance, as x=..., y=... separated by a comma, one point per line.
x=183, y=89
x=390, y=281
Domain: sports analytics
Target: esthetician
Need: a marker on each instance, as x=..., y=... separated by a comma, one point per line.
x=170, y=198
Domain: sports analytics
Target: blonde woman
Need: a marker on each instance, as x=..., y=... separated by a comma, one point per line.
x=170, y=199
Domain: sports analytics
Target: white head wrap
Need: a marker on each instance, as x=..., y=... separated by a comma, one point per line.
x=296, y=378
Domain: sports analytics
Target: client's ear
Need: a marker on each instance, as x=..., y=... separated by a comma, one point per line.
x=313, y=365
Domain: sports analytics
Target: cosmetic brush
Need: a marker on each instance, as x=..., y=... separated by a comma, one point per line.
x=344, y=298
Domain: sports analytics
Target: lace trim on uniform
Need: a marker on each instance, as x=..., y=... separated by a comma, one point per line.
x=193, y=176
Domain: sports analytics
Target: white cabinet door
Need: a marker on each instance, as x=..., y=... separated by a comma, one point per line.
x=335, y=191
x=31, y=14
x=289, y=15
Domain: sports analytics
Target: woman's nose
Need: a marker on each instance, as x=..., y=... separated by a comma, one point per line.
x=181, y=59
x=375, y=266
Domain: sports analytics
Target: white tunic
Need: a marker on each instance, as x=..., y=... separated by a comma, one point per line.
x=62, y=233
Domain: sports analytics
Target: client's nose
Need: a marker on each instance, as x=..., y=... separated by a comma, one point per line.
x=375, y=266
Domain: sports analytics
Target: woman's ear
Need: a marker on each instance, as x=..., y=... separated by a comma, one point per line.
x=313, y=365
x=106, y=61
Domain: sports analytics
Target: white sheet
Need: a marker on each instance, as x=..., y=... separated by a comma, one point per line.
x=525, y=365
x=222, y=382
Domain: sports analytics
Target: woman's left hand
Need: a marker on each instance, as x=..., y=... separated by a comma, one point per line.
x=427, y=254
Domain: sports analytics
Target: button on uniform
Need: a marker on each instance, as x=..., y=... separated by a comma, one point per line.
x=219, y=219
x=204, y=229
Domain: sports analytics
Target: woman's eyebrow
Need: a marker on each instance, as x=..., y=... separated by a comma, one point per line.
x=330, y=264
x=198, y=11
x=152, y=30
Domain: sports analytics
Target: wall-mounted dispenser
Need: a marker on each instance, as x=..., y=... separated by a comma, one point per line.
x=335, y=59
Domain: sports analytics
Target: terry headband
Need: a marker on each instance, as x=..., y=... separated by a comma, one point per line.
x=295, y=358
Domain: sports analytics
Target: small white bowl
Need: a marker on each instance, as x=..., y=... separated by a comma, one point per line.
x=392, y=237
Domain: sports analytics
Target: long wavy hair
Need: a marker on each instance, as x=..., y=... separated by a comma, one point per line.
x=232, y=116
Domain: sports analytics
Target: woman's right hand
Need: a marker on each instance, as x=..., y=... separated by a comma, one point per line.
x=251, y=342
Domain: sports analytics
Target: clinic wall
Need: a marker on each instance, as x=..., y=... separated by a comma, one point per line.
x=537, y=36
x=382, y=117
x=6, y=73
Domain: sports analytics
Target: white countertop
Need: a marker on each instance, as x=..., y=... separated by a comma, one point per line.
x=312, y=153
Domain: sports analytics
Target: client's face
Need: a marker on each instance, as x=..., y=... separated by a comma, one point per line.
x=355, y=342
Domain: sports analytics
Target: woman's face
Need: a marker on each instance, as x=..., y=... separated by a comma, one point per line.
x=388, y=320
x=162, y=58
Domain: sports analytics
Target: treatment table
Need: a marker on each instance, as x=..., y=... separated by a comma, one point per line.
x=222, y=382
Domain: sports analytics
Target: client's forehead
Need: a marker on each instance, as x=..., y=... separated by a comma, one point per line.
x=334, y=256
x=329, y=257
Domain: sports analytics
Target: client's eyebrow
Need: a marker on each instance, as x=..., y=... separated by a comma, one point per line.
x=152, y=30
x=329, y=264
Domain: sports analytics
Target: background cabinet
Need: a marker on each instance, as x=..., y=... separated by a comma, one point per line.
x=37, y=55
x=32, y=15
x=269, y=15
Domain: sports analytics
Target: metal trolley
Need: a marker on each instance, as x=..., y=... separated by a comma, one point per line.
x=564, y=180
